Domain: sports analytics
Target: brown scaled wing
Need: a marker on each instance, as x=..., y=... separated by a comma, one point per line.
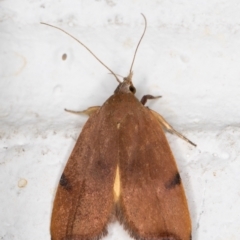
x=152, y=204
x=84, y=200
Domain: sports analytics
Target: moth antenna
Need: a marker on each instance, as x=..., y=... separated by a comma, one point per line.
x=85, y=48
x=117, y=75
x=145, y=20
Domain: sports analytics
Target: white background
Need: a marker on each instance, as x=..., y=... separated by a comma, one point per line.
x=190, y=55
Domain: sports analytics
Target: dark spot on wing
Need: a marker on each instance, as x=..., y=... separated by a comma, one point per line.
x=64, y=182
x=176, y=180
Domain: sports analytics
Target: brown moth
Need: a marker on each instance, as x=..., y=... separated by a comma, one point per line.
x=121, y=167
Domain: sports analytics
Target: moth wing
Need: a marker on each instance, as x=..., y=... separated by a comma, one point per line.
x=152, y=203
x=84, y=200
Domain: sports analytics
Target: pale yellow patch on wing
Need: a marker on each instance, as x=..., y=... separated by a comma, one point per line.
x=118, y=125
x=116, y=186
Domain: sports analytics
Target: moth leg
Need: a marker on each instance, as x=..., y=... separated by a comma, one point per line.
x=88, y=111
x=169, y=128
x=147, y=97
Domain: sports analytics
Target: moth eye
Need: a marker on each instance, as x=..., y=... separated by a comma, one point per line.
x=132, y=89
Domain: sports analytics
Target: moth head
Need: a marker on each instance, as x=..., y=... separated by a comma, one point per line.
x=126, y=86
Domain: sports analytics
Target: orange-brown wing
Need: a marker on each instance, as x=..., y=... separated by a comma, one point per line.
x=152, y=204
x=84, y=200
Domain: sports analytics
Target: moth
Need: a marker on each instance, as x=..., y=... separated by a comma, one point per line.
x=121, y=168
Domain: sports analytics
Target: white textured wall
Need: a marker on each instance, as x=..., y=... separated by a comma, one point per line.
x=190, y=55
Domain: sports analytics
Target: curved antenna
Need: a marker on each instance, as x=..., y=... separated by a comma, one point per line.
x=85, y=47
x=145, y=20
